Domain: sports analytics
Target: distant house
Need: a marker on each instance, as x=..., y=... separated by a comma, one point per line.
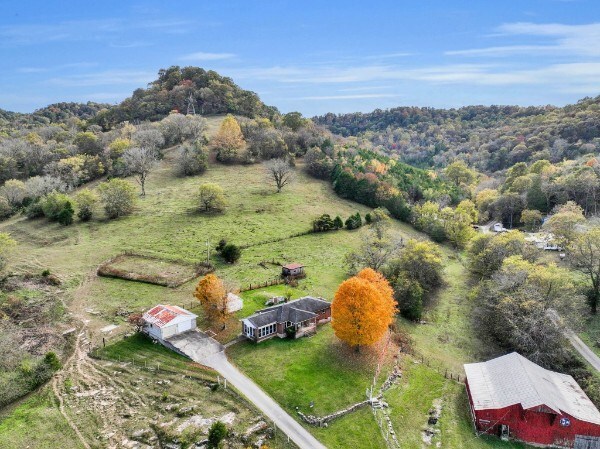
x=514, y=398
x=234, y=303
x=292, y=270
x=498, y=227
x=295, y=318
x=164, y=321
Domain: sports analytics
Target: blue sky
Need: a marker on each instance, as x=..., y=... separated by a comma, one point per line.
x=310, y=56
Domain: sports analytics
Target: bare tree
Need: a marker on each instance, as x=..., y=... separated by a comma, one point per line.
x=140, y=162
x=280, y=172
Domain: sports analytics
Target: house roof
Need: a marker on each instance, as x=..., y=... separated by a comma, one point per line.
x=293, y=266
x=512, y=379
x=295, y=311
x=165, y=315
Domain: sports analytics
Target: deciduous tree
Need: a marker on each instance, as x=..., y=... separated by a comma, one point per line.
x=229, y=141
x=118, y=197
x=212, y=197
x=212, y=295
x=584, y=254
x=279, y=172
x=362, y=309
x=139, y=162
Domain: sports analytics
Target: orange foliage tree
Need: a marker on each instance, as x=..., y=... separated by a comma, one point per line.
x=363, y=308
x=212, y=295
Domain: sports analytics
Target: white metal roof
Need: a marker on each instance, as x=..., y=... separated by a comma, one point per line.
x=165, y=315
x=512, y=379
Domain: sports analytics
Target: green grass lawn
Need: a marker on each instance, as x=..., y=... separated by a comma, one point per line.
x=412, y=399
x=36, y=423
x=320, y=370
x=591, y=333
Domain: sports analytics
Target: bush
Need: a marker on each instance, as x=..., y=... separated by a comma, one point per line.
x=52, y=205
x=34, y=210
x=323, y=223
x=368, y=218
x=65, y=216
x=409, y=295
x=118, y=197
x=212, y=198
x=354, y=221
x=85, y=200
x=216, y=434
x=191, y=160
x=6, y=209
x=51, y=359
x=222, y=244
x=338, y=223
x=231, y=253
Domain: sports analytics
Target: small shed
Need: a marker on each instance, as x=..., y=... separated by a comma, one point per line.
x=292, y=270
x=164, y=321
x=234, y=302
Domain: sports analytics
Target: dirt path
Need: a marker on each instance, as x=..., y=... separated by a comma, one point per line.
x=583, y=349
x=57, y=380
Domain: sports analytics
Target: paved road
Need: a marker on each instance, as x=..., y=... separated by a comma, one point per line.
x=583, y=349
x=203, y=349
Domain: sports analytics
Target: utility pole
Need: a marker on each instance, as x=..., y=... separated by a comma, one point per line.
x=191, y=108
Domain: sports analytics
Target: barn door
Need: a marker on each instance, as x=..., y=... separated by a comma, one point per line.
x=583, y=442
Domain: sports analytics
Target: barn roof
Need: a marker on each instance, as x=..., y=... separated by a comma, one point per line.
x=293, y=266
x=512, y=379
x=163, y=315
x=296, y=311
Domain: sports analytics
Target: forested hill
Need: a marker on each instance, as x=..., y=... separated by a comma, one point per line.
x=211, y=92
x=489, y=138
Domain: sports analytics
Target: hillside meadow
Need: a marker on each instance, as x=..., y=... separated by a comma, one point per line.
x=166, y=223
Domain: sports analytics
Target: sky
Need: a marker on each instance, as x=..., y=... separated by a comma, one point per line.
x=309, y=56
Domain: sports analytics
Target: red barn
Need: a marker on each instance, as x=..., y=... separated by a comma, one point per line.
x=514, y=398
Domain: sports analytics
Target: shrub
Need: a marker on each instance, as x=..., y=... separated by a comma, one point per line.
x=85, y=200
x=368, y=218
x=65, y=216
x=118, y=197
x=34, y=210
x=231, y=253
x=338, y=223
x=222, y=244
x=216, y=434
x=51, y=359
x=191, y=160
x=6, y=209
x=52, y=204
x=212, y=198
x=323, y=223
x=354, y=221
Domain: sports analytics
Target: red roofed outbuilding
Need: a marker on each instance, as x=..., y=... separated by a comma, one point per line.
x=164, y=321
x=513, y=397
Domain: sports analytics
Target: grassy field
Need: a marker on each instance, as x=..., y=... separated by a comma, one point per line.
x=167, y=224
x=412, y=399
x=321, y=370
x=448, y=338
x=36, y=423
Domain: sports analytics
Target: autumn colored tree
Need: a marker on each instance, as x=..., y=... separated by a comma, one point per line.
x=363, y=307
x=229, y=141
x=212, y=295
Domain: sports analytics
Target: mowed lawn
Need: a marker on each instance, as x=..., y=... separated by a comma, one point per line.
x=319, y=370
x=412, y=399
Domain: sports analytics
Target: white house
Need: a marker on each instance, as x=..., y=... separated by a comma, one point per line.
x=164, y=321
x=234, y=303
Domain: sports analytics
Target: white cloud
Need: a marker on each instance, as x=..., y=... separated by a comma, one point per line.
x=105, y=78
x=204, y=56
x=565, y=40
x=347, y=97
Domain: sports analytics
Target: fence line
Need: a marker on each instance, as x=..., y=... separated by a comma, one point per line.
x=256, y=286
